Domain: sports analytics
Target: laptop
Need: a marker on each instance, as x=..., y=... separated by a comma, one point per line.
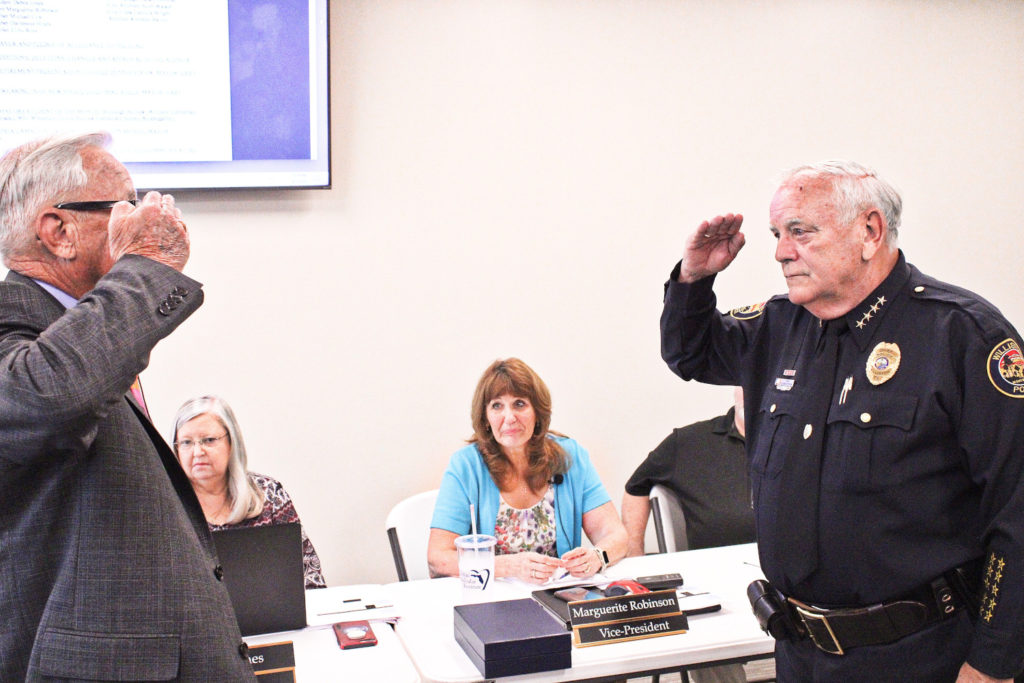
x=264, y=576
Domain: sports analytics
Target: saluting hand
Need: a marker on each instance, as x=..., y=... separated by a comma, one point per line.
x=153, y=229
x=712, y=247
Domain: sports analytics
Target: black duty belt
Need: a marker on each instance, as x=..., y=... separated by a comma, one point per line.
x=836, y=630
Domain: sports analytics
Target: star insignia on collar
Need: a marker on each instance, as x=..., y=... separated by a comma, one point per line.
x=868, y=314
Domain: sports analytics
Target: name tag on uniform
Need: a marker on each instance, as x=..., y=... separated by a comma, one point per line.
x=784, y=383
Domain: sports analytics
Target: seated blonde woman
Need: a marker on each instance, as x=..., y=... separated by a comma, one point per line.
x=534, y=490
x=209, y=446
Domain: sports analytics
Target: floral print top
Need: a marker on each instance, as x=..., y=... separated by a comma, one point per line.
x=279, y=509
x=532, y=529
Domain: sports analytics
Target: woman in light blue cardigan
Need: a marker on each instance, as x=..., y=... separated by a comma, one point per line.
x=534, y=490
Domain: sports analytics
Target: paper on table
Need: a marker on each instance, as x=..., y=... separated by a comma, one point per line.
x=562, y=580
x=326, y=606
x=697, y=602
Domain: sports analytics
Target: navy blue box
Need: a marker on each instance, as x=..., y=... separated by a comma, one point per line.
x=512, y=637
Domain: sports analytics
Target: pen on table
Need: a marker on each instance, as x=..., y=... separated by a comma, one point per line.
x=367, y=606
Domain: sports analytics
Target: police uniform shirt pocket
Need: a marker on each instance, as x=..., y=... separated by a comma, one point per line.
x=777, y=418
x=64, y=653
x=868, y=442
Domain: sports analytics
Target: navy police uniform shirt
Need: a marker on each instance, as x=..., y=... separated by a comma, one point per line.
x=923, y=452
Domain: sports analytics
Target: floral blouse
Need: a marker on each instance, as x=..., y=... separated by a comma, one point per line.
x=532, y=529
x=279, y=509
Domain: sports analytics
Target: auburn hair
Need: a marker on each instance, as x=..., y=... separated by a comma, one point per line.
x=545, y=457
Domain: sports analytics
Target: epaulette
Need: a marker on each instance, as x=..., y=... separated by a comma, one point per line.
x=1005, y=363
x=990, y=321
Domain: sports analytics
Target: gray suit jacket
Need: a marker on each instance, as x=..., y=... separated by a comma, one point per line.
x=107, y=568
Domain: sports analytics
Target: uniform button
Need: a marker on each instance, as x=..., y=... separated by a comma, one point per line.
x=164, y=308
x=179, y=291
x=772, y=409
x=218, y=572
x=243, y=649
x=808, y=429
x=919, y=289
x=865, y=417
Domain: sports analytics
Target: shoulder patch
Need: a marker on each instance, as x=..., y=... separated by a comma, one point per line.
x=748, y=312
x=1006, y=368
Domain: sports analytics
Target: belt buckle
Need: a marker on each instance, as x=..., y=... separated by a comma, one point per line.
x=809, y=615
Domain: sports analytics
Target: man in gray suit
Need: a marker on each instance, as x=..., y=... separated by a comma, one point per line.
x=107, y=569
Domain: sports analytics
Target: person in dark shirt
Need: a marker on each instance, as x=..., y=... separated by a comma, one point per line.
x=885, y=431
x=705, y=465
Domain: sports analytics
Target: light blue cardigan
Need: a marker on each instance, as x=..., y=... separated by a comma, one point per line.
x=467, y=480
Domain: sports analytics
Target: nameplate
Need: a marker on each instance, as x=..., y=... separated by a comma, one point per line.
x=273, y=662
x=635, y=629
x=623, y=608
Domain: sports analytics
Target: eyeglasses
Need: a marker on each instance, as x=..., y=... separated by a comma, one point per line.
x=102, y=205
x=187, y=445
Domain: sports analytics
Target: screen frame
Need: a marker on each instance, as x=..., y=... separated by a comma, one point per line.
x=278, y=27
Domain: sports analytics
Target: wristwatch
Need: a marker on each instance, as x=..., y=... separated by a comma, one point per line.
x=603, y=556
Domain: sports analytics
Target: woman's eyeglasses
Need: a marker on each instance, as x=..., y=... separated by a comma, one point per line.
x=187, y=445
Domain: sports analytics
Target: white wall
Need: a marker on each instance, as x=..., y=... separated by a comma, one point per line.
x=514, y=177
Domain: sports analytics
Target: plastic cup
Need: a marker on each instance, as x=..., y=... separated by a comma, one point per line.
x=476, y=561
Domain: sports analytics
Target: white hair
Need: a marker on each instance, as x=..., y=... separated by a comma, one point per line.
x=33, y=175
x=855, y=188
x=244, y=497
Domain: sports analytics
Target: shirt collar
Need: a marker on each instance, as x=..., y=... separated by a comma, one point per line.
x=726, y=424
x=865, y=317
x=63, y=297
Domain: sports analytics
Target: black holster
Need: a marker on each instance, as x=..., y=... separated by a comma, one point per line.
x=966, y=582
x=772, y=611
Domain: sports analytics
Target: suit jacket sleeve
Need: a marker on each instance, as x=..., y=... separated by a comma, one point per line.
x=59, y=380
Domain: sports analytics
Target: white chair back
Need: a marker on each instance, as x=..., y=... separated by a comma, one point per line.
x=408, y=529
x=669, y=520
